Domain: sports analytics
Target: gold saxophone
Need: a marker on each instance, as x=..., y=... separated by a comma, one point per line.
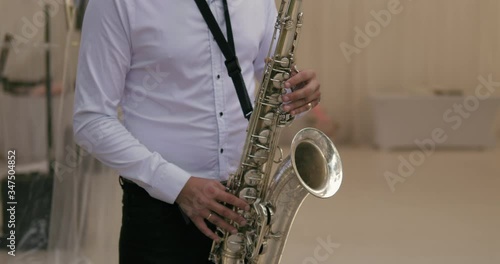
x=313, y=165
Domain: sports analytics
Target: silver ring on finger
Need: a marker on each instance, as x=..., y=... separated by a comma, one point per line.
x=208, y=217
x=309, y=106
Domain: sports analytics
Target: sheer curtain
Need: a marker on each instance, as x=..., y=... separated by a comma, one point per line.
x=86, y=201
x=426, y=44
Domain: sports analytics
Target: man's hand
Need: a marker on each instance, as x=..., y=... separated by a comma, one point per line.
x=305, y=96
x=200, y=198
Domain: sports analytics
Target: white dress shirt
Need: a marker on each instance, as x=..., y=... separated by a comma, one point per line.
x=159, y=61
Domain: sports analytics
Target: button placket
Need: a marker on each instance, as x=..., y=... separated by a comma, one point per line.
x=217, y=67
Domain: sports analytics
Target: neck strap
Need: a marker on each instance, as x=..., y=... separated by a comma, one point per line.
x=229, y=51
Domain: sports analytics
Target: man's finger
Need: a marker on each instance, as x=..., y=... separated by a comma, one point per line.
x=304, y=108
x=216, y=220
x=306, y=91
x=231, y=199
x=299, y=78
x=302, y=105
x=227, y=213
x=294, y=105
x=202, y=226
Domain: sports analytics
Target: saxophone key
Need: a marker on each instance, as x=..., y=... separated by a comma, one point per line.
x=248, y=194
x=267, y=119
x=284, y=62
x=260, y=156
x=279, y=79
x=264, y=136
x=235, y=243
x=274, y=99
x=252, y=177
x=285, y=119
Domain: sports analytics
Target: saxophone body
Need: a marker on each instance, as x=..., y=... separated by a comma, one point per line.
x=313, y=166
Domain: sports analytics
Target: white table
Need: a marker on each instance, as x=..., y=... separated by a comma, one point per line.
x=401, y=120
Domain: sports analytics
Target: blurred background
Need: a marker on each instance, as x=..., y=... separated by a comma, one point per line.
x=410, y=96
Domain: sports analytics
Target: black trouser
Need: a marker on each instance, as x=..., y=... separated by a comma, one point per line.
x=155, y=232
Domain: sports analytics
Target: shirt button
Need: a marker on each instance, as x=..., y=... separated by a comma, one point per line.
x=221, y=114
x=218, y=76
x=221, y=151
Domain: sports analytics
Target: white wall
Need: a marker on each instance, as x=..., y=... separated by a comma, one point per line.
x=446, y=43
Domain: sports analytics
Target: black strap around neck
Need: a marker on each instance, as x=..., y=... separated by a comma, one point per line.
x=229, y=51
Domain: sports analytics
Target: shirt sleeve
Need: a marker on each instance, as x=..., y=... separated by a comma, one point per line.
x=266, y=41
x=104, y=61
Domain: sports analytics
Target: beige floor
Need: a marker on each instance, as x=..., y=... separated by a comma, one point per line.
x=447, y=212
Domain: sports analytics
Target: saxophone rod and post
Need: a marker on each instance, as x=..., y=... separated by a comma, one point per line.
x=313, y=166
x=48, y=92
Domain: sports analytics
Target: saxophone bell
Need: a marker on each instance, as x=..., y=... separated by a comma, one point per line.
x=316, y=163
x=313, y=167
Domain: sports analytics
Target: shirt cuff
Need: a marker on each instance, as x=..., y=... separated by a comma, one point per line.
x=167, y=182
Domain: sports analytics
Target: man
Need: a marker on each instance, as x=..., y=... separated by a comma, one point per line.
x=183, y=130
